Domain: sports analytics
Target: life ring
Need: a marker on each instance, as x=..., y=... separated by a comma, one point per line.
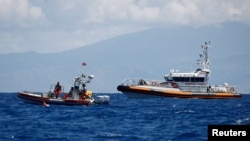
x=231, y=89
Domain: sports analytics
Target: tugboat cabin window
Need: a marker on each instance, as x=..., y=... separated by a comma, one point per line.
x=188, y=79
x=170, y=78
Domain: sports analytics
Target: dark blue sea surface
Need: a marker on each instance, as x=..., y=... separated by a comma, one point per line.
x=167, y=119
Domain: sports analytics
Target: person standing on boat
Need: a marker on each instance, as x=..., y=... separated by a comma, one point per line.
x=84, y=88
x=57, y=89
x=208, y=89
x=71, y=91
x=66, y=96
x=83, y=91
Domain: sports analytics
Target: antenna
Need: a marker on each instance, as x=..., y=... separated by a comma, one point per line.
x=204, y=61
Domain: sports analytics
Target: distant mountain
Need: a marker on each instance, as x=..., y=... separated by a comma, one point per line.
x=147, y=54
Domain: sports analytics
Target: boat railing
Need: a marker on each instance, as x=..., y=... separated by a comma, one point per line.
x=223, y=89
x=140, y=81
x=193, y=88
x=31, y=92
x=209, y=88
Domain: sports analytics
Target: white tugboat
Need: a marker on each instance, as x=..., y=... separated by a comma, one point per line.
x=178, y=84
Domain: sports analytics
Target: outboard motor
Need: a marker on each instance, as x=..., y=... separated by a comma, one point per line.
x=102, y=99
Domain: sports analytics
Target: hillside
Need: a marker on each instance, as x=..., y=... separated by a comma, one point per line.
x=147, y=54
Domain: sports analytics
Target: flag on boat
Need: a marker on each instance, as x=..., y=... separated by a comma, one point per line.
x=84, y=64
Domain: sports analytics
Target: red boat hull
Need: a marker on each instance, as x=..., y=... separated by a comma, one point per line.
x=39, y=99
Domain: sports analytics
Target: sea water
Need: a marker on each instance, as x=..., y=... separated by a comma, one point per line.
x=151, y=119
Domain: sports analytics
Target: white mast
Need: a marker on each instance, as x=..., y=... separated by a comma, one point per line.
x=204, y=62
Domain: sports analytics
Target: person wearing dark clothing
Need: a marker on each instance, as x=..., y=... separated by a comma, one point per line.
x=57, y=89
x=208, y=89
x=84, y=88
x=66, y=96
x=71, y=91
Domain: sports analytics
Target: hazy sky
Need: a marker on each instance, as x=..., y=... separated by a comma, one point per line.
x=57, y=25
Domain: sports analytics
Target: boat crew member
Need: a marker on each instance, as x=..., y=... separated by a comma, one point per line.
x=71, y=91
x=208, y=89
x=84, y=88
x=83, y=91
x=57, y=89
x=69, y=94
